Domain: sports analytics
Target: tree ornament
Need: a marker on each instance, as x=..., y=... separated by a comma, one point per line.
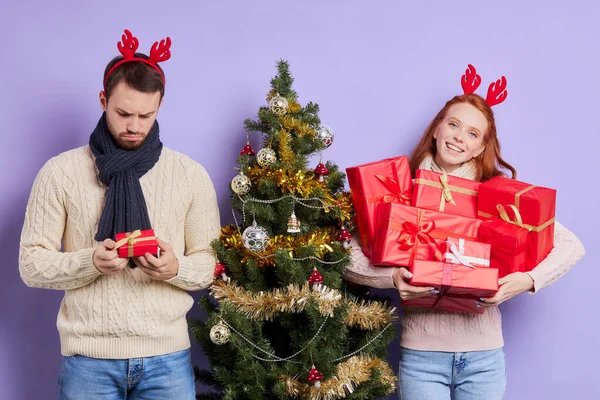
x=316, y=279
x=278, y=105
x=325, y=135
x=293, y=225
x=241, y=184
x=220, y=333
x=266, y=157
x=315, y=376
x=221, y=270
x=255, y=238
x=247, y=150
x=344, y=236
x=321, y=171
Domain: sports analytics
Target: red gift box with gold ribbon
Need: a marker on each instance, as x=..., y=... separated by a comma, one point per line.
x=528, y=206
x=445, y=193
x=462, y=283
x=385, y=181
x=509, y=244
x=406, y=233
x=136, y=243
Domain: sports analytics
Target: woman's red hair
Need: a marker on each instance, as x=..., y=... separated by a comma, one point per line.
x=488, y=164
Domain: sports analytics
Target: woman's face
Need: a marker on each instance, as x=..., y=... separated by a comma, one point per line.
x=459, y=137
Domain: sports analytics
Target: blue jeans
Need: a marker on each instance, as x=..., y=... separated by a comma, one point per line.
x=431, y=375
x=168, y=377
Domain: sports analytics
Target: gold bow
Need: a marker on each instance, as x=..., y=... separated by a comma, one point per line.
x=446, y=189
x=131, y=239
x=446, y=193
x=515, y=207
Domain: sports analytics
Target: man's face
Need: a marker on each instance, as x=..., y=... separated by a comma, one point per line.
x=130, y=114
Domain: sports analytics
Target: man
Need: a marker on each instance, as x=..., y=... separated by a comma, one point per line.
x=122, y=323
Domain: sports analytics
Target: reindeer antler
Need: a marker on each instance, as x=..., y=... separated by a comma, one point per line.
x=160, y=52
x=470, y=80
x=128, y=45
x=496, y=92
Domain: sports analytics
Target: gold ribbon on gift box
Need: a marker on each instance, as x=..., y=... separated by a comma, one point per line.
x=446, y=189
x=518, y=219
x=131, y=239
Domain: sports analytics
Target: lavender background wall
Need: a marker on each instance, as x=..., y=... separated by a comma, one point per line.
x=379, y=70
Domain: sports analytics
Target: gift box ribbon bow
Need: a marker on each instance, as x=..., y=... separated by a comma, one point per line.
x=412, y=234
x=456, y=255
x=518, y=219
x=396, y=194
x=446, y=189
x=131, y=239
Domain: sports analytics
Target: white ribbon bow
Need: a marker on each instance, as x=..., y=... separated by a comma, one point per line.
x=457, y=255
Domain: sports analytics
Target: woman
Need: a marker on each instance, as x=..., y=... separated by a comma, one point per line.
x=443, y=350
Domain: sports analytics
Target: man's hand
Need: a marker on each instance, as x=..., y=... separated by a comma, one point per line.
x=106, y=258
x=510, y=286
x=162, y=268
x=407, y=292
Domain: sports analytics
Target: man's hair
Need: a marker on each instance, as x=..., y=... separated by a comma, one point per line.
x=136, y=75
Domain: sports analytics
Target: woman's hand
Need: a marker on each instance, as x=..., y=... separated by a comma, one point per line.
x=407, y=291
x=510, y=286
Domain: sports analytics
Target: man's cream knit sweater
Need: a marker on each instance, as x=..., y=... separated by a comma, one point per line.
x=437, y=330
x=126, y=315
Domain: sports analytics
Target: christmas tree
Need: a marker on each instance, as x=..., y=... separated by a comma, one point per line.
x=281, y=322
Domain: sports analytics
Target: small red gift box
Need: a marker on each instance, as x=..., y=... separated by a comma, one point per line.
x=382, y=181
x=445, y=193
x=407, y=233
x=533, y=208
x=458, y=282
x=509, y=246
x=136, y=243
x=466, y=252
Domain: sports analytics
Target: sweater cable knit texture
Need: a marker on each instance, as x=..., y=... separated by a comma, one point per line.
x=128, y=314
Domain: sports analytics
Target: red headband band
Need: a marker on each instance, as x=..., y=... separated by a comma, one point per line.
x=127, y=47
x=496, y=93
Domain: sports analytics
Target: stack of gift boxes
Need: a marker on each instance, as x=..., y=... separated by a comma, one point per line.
x=456, y=235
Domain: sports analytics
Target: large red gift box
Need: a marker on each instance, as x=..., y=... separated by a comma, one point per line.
x=457, y=281
x=382, y=181
x=136, y=243
x=509, y=244
x=467, y=252
x=445, y=193
x=520, y=203
x=405, y=233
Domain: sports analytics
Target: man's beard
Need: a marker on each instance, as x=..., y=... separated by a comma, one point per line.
x=128, y=145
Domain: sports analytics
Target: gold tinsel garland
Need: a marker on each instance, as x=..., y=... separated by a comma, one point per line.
x=350, y=374
x=300, y=128
x=285, y=152
x=293, y=299
x=300, y=182
x=303, y=184
x=231, y=239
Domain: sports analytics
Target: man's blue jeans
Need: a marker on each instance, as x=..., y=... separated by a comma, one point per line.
x=167, y=377
x=431, y=375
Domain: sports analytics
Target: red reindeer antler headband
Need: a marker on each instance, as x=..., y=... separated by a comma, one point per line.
x=496, y=93
x=127, y=47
